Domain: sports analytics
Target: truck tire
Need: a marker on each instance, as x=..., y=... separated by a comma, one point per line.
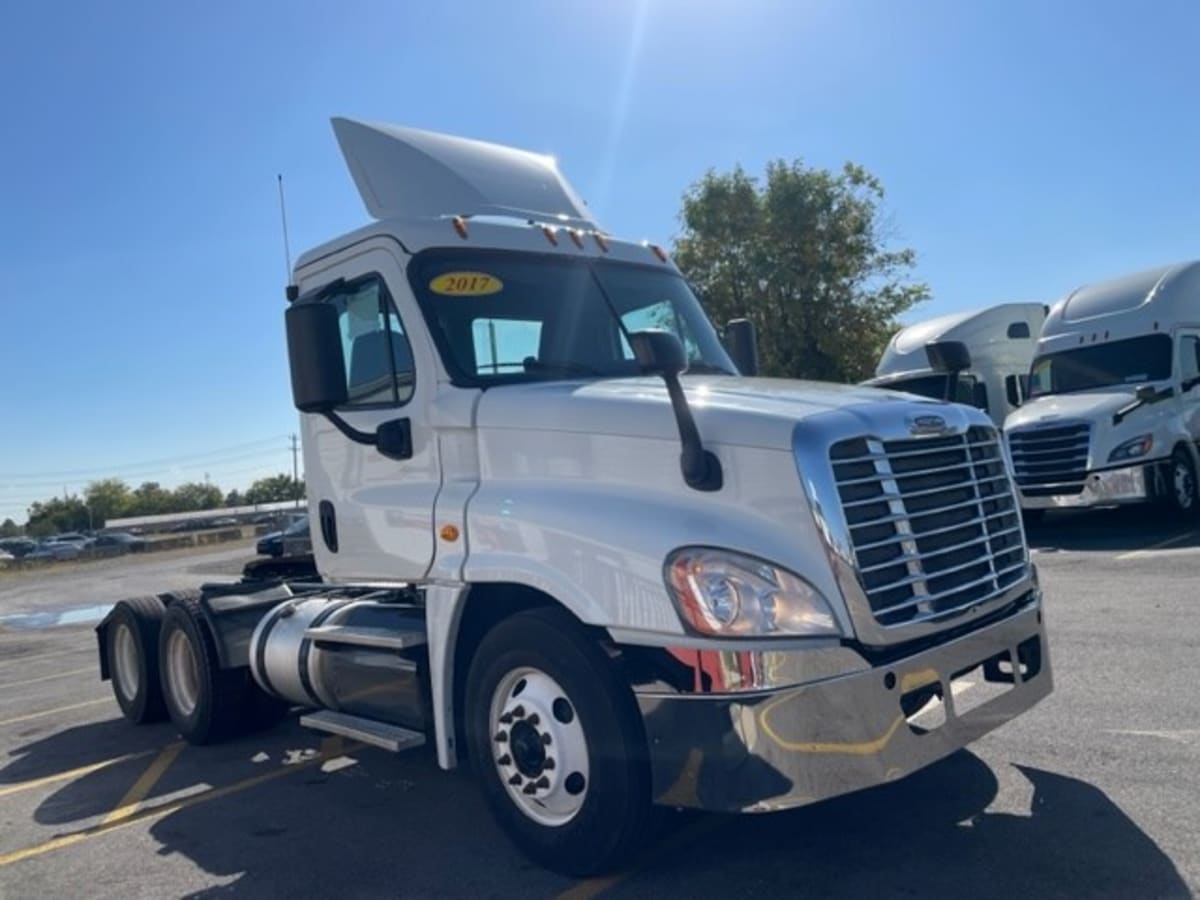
x=555, y=738
x=131, y=649
x=205, y=702
x=1182, y=494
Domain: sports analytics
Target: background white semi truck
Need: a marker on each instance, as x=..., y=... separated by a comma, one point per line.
x=1113, y=414
x=560, y=536
x=999, y=342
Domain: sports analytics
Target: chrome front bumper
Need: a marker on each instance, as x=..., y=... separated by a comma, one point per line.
x=798, y=745
x=1107, y=488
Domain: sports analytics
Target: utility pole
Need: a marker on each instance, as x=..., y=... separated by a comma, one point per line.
x=296, y=468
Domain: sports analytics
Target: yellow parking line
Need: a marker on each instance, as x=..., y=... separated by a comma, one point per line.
x=162, y=809
x=1133, y=554
x=46, y=677
x=137, y=793
x=7, y=789
x=50, y=712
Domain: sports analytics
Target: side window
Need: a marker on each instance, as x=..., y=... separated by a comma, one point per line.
x=1018, y=330
x=378, y=357
x=502, y=345
x=966, y=391
x=1189, y=358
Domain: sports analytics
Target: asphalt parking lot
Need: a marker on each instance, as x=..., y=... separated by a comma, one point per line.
x=1095, y=793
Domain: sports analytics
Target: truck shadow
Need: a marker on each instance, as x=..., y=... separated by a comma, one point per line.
x=1116, y=530
x=371, y=824
x=933, y=836
x=126, y=751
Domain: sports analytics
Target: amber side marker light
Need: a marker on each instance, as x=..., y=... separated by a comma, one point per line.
x=460, y=225
x=600, y=241
x=551, y=234
x=449, y=533
x=658, y=251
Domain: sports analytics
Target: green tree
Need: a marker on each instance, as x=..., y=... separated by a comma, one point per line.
x=150, y=499
x=195, y=495
x=57, y=514
x=804, y=256
x=275, y=489
x=108, y=498
x=234, y=498
x=9, y=528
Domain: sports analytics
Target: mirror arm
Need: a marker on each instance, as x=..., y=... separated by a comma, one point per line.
x=1124, y=411
x=1120, y=414
x=701, y=468
x=359, y=437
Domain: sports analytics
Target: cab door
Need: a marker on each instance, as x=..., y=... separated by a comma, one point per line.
x=1188, y=386
x=371, y=513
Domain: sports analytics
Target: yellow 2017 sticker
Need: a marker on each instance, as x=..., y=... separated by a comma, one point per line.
x=466, y=284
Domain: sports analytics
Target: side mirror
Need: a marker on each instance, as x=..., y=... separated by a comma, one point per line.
x=658, y=352
x=315, y=356
x=741, y=340
x=948, y=356
x=1012, y=390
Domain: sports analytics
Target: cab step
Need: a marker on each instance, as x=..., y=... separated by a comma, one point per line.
x=369, y=731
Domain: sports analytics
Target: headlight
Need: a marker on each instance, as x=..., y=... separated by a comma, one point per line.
x=727, y=594
x=1132, y=449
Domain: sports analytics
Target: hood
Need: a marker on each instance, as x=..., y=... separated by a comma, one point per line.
x=753, y=412
x=1091, y=405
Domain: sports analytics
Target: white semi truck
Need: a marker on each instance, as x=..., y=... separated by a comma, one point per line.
x=999, y=342
x=560, y=536
x=1113, y=415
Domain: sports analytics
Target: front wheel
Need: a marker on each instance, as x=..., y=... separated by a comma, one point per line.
x=1181, y=485
x=555, y=738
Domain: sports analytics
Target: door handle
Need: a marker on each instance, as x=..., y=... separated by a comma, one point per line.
x=328, y=519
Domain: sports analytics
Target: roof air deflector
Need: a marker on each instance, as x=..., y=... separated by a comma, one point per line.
x=408, y=173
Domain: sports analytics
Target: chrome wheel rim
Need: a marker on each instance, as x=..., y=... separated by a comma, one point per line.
x=539, y=746
x=1184, y=486
x=183, y=679
x=125, y=659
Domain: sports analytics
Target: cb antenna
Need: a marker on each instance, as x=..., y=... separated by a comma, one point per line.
x=292, y=290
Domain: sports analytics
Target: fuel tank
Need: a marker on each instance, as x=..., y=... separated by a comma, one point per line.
x=357, y=656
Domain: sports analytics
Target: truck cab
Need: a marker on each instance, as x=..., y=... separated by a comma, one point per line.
x=999, y=341
x=562, y=533
x=1113, y=411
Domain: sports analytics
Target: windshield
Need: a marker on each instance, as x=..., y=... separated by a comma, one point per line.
x=1132, y=361
x=503, y=317
x=933, y=385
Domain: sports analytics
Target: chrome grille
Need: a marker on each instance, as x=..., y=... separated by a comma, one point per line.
x=933, y=522
x=1050, y=459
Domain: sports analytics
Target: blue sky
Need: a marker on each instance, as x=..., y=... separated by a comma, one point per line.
x=1025, y=147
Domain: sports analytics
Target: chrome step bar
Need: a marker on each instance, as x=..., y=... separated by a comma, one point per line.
x=387, y=638
x=369, y=731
